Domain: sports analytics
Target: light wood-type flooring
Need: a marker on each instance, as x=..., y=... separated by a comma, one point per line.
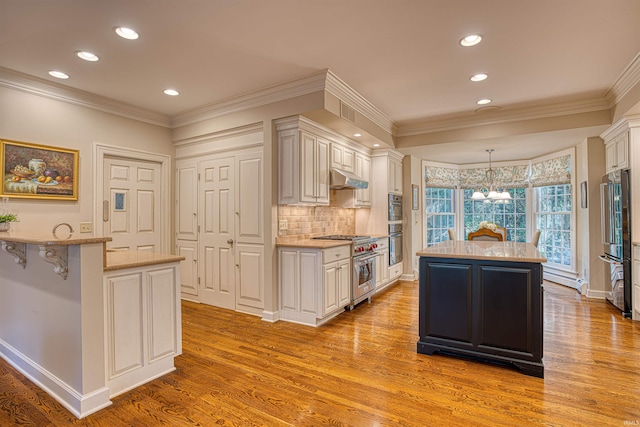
x=362, y=369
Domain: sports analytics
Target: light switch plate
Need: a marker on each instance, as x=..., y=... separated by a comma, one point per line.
x=282, y=224
x=86, y=227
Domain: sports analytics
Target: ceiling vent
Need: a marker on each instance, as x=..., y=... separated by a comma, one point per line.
x=347, y=112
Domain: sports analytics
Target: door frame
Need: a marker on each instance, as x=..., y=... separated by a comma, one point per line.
x=100, y=151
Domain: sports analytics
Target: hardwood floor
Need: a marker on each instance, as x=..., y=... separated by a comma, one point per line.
x=362, y=369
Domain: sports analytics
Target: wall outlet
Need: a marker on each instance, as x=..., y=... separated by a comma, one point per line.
x=282, y=224
x=86, y=227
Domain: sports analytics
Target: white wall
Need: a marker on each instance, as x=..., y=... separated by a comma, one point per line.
x=32, y=118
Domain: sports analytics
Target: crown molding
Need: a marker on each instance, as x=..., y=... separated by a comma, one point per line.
x=344, y=92
x=41, y=87
x=625, y=82
x=303, y=86
x=513, y=115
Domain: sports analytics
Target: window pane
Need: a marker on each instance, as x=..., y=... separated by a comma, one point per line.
x=439, y=215
x=554, y=221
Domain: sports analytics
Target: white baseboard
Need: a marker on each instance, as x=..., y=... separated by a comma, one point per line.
x=270, y=316
x=562, y=280
x=77, y=403
x=596, y=294
x=409, y=277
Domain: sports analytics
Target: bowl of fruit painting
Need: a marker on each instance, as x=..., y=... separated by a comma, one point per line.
x=38, y=171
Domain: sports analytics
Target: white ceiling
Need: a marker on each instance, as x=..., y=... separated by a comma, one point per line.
x=401, y=55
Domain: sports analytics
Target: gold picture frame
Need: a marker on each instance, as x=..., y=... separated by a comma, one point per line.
x=34, y=171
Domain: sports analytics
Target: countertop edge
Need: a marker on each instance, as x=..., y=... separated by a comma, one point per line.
x=132, y=259
x=44, y=240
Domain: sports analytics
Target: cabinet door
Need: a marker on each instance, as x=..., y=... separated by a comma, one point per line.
x=379, y=267
x=186, y=200
x=308, y=183
x=289, y=279
x=385, y=266
x=249, y=199
x=330, y=289
x=322, y=172
x=250, y=276
x=349, y=160
x=363, y=170
x=344, y=284
x=336, y=156
x=188, y=267
x=610, y=156
x=621, y=152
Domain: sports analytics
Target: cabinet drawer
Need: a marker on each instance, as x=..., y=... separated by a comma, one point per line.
x=395, y=271
x=334, y=254
x=383, y=243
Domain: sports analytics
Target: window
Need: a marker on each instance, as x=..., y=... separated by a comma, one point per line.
x=440, y=214
x=511, y=215
x=553, y=219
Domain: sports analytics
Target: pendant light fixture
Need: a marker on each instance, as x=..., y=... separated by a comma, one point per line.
x=493, y=194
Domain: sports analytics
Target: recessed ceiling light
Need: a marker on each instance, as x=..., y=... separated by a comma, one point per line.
x=58, y=74
x=483, y=101
x=171, y=92
x=471, y=40
x=87, y=56
x=478, y=77
x=126, y=33
x=357, y=135
x=376, y=145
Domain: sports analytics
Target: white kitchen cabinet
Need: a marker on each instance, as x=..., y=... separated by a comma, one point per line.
x=188, y=267
x=187, y=200
x=394, y=176
x=337, y=279
x=343, y=158
x=382, y=263
x=144, y=329
x=249, y=277
x=303, y=167
x=361, y=197
x=617, y=152
x=395, y=271
x=314, y=284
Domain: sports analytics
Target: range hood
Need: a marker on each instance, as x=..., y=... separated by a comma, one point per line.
x=342, y=179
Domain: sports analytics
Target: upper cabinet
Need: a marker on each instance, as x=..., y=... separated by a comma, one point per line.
x=306, y=153
x=617, y=152
x=394, y=177
x=303, y=166
x=343, y=158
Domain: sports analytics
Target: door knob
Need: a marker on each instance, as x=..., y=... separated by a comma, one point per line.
x=230, y=241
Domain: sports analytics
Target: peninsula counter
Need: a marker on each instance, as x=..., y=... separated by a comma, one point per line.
x=85, y=325
x=483, y=300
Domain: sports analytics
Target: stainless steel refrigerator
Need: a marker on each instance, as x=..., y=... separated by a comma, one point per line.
x=615, y=204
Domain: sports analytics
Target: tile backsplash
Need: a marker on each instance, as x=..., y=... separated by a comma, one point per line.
x=311, y=221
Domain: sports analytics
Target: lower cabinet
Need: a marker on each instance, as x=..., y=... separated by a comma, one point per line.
x=143, y=324
x=314, y=284
x=382, y=264
x=395, y=271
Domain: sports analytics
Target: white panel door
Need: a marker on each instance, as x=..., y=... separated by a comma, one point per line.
x=186, y=200
x=249, y=205
x=217, y=227
x=133, y=214
x=188, y=267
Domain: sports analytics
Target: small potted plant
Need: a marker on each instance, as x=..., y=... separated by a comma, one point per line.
x=6, y=220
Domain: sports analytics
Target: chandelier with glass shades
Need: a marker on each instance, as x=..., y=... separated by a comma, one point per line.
x=492, y=194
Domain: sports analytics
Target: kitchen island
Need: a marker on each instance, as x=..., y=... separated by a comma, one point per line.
x=483, y=300
x=83, y=324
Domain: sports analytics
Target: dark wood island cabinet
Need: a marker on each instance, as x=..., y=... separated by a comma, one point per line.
x=483, y=300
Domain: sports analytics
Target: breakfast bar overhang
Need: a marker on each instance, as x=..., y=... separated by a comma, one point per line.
x=483, y=300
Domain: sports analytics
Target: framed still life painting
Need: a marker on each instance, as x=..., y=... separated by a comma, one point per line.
x=38, y=171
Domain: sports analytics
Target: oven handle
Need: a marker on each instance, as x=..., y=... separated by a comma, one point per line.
x=366, y=257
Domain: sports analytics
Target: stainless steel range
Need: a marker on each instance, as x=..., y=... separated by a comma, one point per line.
x=363, y=260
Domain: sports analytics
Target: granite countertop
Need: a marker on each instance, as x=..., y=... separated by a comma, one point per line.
x=498, y=251
x=119, y=260
x=310, y=243
x=47, y=239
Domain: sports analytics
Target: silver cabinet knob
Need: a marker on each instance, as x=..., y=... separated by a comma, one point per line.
x=230, y=241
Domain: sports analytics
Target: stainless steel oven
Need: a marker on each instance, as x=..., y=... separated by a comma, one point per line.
x=395, y=207
x=395, y=243
x=364, y=277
